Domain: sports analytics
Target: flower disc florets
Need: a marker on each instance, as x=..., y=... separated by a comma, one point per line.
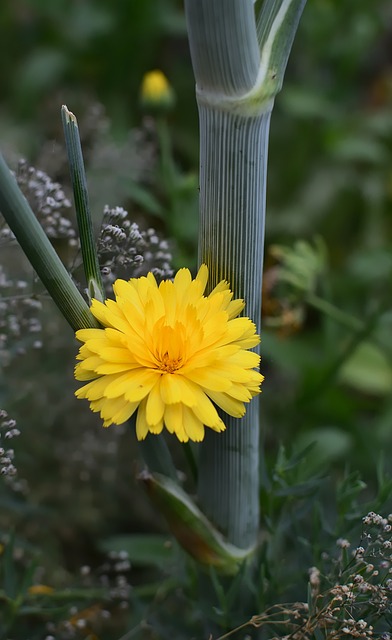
x=167, y=351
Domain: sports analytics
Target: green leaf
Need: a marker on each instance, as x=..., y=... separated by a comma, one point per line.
x=368, y=371
x=191, y=528
x=359, y=149
x=329, y=443
x=277, y=24
x=301, y=489
x=79, y=185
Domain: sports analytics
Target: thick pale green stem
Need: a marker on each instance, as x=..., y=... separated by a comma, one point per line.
x=233, y=161
x=224, y=46
x=239, y=64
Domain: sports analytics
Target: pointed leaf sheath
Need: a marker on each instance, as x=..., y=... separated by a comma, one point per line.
x=191, y=528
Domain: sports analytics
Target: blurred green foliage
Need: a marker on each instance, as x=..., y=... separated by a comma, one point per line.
x=327, y=355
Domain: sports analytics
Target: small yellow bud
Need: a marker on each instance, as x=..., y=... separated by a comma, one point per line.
x=40, y=590
x=156, y=93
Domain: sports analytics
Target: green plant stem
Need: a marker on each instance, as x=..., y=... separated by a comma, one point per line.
x=237, y=78
x=191, y=460
x=167, y=162
x=168, y=170
x=233, y=157
x=83, y=216
x=40, y=253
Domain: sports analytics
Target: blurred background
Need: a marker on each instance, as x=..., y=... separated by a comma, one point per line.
x=327, y=325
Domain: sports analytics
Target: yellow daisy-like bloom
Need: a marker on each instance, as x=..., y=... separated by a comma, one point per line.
x=168, y=351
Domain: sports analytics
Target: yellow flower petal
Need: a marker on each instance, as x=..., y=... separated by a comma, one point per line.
x=205, y=411
x=142, y=427
x=91, y=363
x=155, y=406
x=202, y=277
x=193, y=426
x=123, y=413
x=171, y=389
x=89, y=334
x=84, y=376
x=232, y=406
x=239, y=392
x=209, y=379
x=156, y=428
x=111, y=367
x=117, y=410
x=234, y=308
x=134, y=384
x=95, y=389
x=174, y=421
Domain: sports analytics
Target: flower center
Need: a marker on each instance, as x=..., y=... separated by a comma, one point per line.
x=168, y=364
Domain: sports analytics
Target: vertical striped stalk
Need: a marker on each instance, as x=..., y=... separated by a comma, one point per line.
x=233, y=154
x=239, y=61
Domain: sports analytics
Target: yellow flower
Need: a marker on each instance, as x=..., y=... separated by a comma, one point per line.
x=168, y=351
x=156, y=92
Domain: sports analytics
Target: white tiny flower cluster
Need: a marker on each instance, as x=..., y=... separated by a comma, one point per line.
x=113, y=577
x=343, y=543
x=48, y=201
x=20, y=324
x=359, y=602
x=126, y=251
x=379, y=521
x=357, y=629
x=8, y=431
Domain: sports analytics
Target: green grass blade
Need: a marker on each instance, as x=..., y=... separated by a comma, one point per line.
x=83, y=216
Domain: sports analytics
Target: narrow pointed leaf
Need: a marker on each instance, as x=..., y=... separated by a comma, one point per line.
x=276, y=27
x=191, y=528
x=79, y=185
